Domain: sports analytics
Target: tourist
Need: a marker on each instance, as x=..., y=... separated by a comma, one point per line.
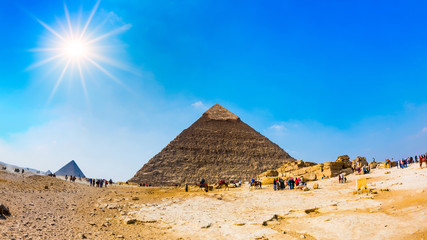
x=282, y=184
x=274, y=184
x=291, y=183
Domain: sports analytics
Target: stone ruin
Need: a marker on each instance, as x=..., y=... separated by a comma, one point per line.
x=218, y=146
x=359, y=162
x=312, y=171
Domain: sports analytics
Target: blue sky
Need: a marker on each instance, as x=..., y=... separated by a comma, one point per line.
x=320, y=79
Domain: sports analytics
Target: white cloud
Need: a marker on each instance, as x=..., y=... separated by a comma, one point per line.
x=200, y=105
x=278, y=127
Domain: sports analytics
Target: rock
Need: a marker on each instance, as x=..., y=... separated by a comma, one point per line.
x=131, y=221
x=135, y=198
x=207, y=226
x=301, y=236
x=120, y=236
x=420, y=191
x=359, y=162
x=384, y=189
x=347, y=171
x=305, y=188
x=388, y=172
x=83, y=236
x=311, y=210
x=4, y=210
x=316, y=186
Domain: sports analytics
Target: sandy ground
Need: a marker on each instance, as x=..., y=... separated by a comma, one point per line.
x=49, y=208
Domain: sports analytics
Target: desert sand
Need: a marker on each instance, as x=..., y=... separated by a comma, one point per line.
x=48, y=208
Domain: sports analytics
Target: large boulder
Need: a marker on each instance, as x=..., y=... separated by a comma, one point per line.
x=347, y=171
x=271, y=173
x=345, y=160
x=360, y=162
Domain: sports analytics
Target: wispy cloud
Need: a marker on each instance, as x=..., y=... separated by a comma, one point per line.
x=200, y=105
x=278, y=127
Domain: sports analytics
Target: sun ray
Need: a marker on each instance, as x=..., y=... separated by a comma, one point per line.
x=67, y=15
x=115, y=31
x=82, y=79
x=89, y=19
x=114, y=63
x=106, y=72
x=59, y=80
x=40, y=63
x=63, y=28
x=51, y=30
x=44, y=49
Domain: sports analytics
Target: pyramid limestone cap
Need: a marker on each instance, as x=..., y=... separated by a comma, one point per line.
x=218, y=112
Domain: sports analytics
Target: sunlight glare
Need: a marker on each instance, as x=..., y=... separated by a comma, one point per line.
x=76, y=49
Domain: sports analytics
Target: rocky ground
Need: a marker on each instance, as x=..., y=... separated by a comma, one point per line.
x=48, y=208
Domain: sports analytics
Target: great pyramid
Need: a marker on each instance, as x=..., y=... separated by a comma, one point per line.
x=71, y=169
x=218, y=146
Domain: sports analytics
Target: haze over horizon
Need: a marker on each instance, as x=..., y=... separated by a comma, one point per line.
x=320, y=79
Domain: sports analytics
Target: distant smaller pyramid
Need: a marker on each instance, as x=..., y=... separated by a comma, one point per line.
x=71, y=169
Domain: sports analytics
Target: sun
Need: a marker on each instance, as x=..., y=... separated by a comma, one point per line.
x=78, y=48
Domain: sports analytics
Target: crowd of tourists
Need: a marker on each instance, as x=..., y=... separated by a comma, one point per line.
x=404, y=162
x=72, y=178
x=281, y=184
x=364, y=169
x=99, y=182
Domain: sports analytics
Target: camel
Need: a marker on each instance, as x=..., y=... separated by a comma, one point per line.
x=203, y=186
x=424, y=159
x=222, y=184
x=256, y=184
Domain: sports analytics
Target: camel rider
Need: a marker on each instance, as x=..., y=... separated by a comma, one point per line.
x=252, y=181
x=202, y=181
